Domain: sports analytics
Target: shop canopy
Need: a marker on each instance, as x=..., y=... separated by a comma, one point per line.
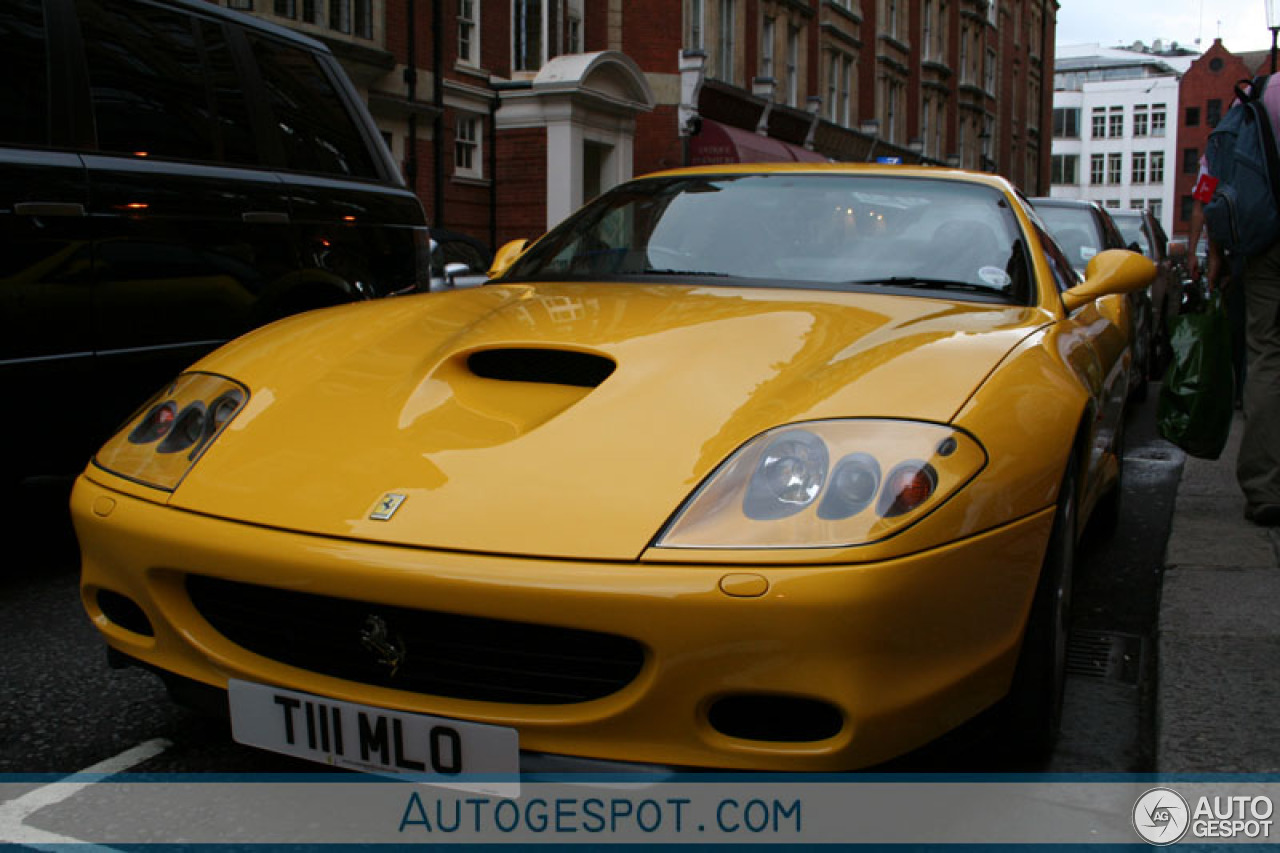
x=718, y=144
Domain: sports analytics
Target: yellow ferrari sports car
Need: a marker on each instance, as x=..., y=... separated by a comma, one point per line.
x=749, y=467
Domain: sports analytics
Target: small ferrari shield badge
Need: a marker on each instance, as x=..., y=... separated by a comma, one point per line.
x=386, y=507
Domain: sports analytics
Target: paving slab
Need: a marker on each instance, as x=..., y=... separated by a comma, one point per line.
x=1218, y=680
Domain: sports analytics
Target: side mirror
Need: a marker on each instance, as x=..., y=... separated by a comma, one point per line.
x=1110, y=272
x=453, y=270
x=506, y=256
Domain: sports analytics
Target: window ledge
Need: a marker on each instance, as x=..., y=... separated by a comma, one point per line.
x=472, y=71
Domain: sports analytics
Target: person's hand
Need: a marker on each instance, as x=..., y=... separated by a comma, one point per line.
x=1216, y=269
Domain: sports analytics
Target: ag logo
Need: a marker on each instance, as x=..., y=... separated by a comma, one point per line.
x=1161, y=816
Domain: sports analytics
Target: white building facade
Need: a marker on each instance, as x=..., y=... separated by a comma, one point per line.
x=1115, y=120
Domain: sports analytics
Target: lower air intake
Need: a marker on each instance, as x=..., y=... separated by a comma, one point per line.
x=420, y=651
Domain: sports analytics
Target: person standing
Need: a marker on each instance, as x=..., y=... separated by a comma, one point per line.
x=1258, y=465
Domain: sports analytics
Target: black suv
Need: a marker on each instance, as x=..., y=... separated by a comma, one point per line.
x=172, y=174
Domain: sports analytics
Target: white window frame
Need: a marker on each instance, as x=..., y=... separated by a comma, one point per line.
x=1155, y=168
x=768, y=32
x=1158, y=120
x=573, y=32
x=926, y=107
x=1141, y=120
x=1138, y=169
x=1115, y=168
x=549, y=14
x=726, y=41
x=468, y=146
x=793, y=65
x=469, y=32
x=696, y=34
x=833, y=86
x=892, y=107
x=926, y=31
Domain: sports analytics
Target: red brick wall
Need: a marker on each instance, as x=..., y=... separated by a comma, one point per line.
x=652, y=34
x=397, y=23
x=1197, y=87
x=495, y=36
x=595, y=35
x=657, y=146
x=522, y=184
x=422, y=185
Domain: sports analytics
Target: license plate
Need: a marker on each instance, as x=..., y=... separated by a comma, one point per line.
x=436, y=750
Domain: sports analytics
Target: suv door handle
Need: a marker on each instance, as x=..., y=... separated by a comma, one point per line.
x=48, y=208
x=265, y=217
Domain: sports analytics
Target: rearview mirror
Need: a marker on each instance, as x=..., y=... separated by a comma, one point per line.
x=506, y=256
x=1112, y=271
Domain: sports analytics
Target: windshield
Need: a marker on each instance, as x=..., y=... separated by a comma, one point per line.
x=794, y=230
x=1076, y=232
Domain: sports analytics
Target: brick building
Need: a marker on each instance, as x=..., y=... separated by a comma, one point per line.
x=508, y=114
x=1204, y=95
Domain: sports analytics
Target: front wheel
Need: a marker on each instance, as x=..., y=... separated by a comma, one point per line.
x=1035, y=699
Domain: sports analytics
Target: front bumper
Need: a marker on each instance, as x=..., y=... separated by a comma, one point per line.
x=903, y=650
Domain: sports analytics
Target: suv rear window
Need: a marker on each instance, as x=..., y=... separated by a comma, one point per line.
x=24, y=69
x=318, y=133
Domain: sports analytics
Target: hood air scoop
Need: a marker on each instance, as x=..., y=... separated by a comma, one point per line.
x=548, y=366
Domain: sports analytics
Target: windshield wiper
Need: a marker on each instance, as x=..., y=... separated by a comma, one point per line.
x=652, y=271
x=928, y=284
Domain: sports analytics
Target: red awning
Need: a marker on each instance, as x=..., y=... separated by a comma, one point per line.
x=718, y=144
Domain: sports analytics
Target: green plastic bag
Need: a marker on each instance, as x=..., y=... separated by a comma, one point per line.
x=1196, y=399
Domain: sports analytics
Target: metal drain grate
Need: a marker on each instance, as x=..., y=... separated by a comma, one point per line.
x=1107, y=655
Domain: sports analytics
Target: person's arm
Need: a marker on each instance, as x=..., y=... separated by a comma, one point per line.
x=1193, y=238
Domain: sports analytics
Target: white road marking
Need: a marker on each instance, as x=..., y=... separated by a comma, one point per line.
x=14, y=812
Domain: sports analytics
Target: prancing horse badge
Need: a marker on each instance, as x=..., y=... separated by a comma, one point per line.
x=387, y=507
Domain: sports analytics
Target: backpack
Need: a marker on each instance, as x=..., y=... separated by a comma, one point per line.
x=1243, y=216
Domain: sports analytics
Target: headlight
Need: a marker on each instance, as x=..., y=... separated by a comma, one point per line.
x=166, y=437
x=826, y=484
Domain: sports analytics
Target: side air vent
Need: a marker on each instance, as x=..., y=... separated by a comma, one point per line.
x=551, y=366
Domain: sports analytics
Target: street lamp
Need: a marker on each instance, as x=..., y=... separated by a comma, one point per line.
x=1273, y=24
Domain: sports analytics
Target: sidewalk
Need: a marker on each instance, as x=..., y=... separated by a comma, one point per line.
x=1218, y=689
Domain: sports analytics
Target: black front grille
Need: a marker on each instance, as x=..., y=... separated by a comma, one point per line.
x=440, y=654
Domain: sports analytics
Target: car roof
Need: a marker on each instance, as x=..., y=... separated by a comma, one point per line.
x=210, y=10
x=840, y=169
x=1045, y=201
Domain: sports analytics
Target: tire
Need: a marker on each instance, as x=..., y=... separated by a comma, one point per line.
x=1034, y=704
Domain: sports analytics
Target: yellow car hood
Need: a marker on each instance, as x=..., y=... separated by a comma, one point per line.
x=351, y=405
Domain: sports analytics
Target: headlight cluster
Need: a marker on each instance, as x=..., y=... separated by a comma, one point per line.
x=826, y=484
x=165, y=438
